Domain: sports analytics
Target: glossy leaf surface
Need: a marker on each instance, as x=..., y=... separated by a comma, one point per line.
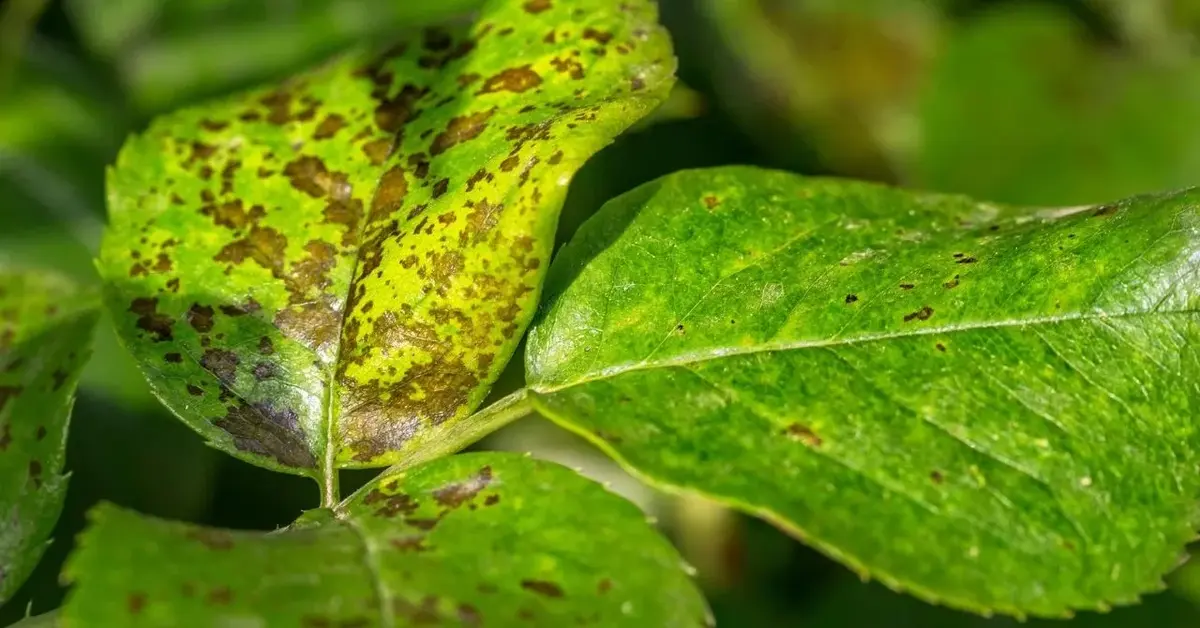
x=331, y=272
x=473, y=540
x=987, y=406
x=45, y=335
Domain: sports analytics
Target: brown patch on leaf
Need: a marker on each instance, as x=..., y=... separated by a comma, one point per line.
x=460, y=129
x=265, y=430
x=150, y=320
x=458, y=493
x=542, y=587
x=536, y=6
x=329, y=127
x=803, y=434
x=517, y=80
x=221, y=363
x=200, y=317
x=922, y=314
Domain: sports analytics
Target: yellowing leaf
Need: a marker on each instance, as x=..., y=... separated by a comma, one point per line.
x=331, y=272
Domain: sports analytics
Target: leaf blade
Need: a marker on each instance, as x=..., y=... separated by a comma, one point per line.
x=310, y=304
x=841, y=355
x=464, y=540
x=46, y=325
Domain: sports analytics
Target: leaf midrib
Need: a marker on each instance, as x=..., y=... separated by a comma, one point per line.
x=720, y=353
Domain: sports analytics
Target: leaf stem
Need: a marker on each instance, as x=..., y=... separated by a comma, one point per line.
x=330, y=490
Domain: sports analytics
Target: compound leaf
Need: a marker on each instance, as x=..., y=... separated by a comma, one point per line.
x=331, y=272
x=46, y=326
x=987, y=406
x=483, y=539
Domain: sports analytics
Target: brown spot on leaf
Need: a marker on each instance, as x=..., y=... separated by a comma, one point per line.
x=950, y=285
x=389, y=195
x=967, y=260
x=135, y=602
x=440, y=187
x=200, y=317
x=378, y=150
x=922, y=314
x=264, y=371
x=542, y=587
x=414, y=543
x=220, y=596
x=6, y=437
x=936, y=476
x=803, y=434
x=221, y=363
x=263, y=429
x=195, y=391
x=711, y=201
x=536, y=6
x=851, y=298
x=940, y=347
x=460, y=129
x=41, y=432
x=907, y=286
x=35, y=473
x=173, y=358
x=599, y=37
x=150, y=320
x=517, y=80
x=568, y=65
x=456, y=494
x=329, y=127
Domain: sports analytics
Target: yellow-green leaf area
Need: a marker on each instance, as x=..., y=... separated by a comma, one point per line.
x=331, y=272
x=479, y=539
x=46, y=325
x=988, y=406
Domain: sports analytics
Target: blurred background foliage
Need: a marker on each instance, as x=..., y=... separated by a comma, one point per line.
x=1041, y=102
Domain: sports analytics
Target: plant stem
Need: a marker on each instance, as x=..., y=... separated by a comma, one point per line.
x=330, y=491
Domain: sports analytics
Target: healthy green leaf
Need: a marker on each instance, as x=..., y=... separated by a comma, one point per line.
x=330, y=273
x=987, y=406
x=478, y=539
x=46, y=325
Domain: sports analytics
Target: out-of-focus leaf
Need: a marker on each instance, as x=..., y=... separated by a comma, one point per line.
x=46, y=325
x=842, y=76
x=1021, y=108
x=331, y=272
x=848, y=602
x=874, y=369
x=58, y=131
x=171, y=52
x=482, y=539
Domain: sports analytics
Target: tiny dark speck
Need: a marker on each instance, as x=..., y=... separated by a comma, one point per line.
x=907, y=286
x=967, y=260
x=941, y=347
x=936, y=476
x=851, y=298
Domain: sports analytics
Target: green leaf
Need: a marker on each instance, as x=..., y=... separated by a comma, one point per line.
x=46, y=325
x=331, y=272
x=479, y=539
x=987, y=406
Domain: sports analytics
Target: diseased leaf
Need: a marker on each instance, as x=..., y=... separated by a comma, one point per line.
x=479, y=539
x=45, y=335
x=987, y=406
x=330, y=273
